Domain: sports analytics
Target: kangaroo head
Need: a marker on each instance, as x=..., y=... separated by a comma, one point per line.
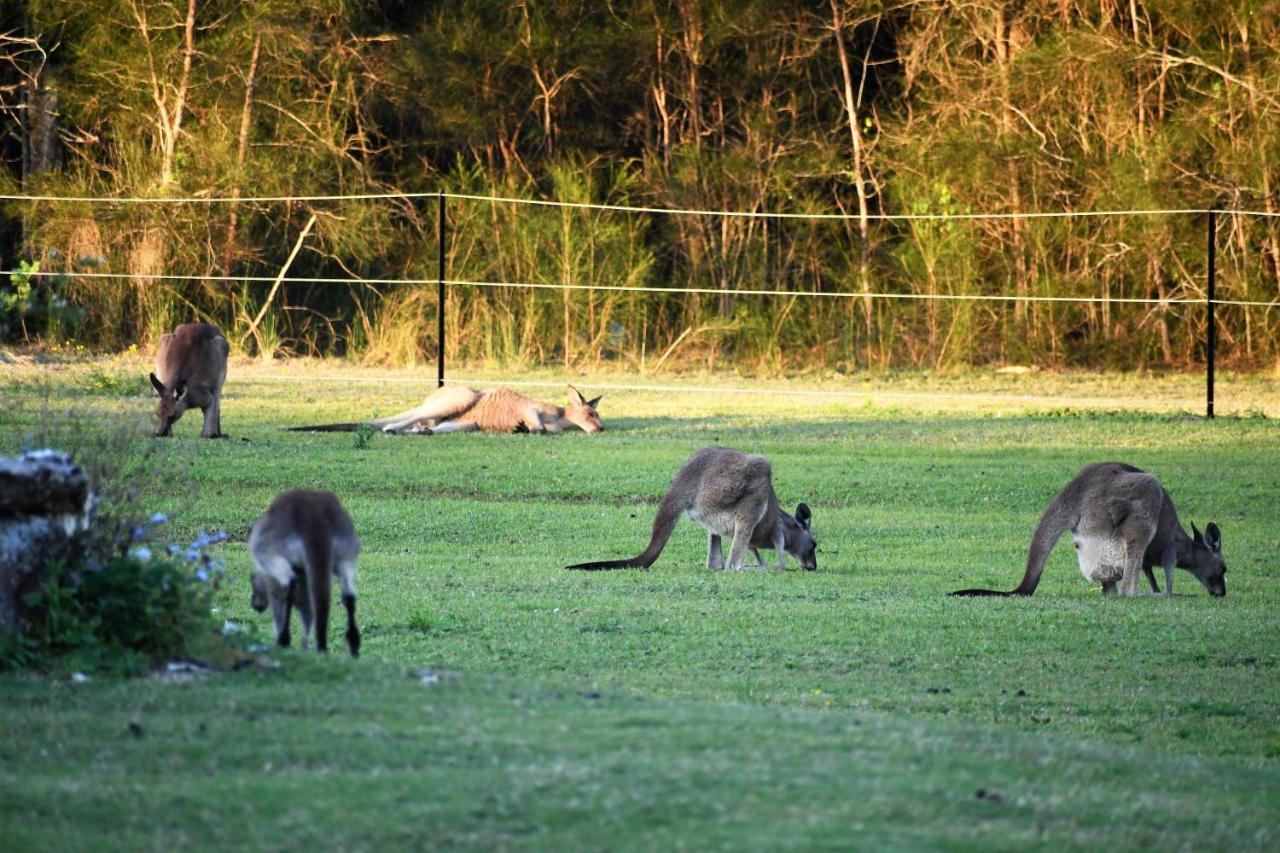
x=1206, y=560
x=172, y=403
x=261, y=592
x=582, y=412
x=799, y=541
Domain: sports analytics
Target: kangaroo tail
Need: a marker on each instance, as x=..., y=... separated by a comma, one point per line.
x=1053, y=524
x=601, y=565
x=663, y=523
x=318, y=551
x=324, y=428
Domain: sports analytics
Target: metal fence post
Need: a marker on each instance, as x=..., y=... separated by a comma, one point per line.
x=1211, y=343
x=440, y=236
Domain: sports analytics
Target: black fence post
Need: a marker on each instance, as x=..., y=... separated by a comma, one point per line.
x=440, y=289
x=1212, y=331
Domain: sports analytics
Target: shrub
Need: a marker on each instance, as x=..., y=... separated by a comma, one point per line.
x=120, y=615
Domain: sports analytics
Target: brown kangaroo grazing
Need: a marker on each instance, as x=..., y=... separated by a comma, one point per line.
x=456, y=408
x=192, y=365
x=1121, y=520
x=303, y=541
x=730, y=494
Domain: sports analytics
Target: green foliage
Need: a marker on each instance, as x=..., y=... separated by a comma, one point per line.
x=32, y=300
x=153, y=607
x=364, y=434
x=114, y=384
x=18, y=299
x=119, y=617
x=735, y=106
x=124, y=597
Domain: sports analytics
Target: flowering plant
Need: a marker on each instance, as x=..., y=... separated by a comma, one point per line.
x=147, y=602
x=201, y=565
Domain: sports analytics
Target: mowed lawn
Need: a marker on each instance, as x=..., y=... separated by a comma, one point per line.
x=856, y=706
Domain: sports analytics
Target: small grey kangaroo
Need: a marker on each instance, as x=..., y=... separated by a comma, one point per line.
x=1121, y=520
x=730, y=494
x=303, y=541
x=192, y=365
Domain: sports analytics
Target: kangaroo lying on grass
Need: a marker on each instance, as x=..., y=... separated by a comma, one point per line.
x=1121, y=520
x=299, y=545
x=455, y=408
x=730, y=494
x=192, y=365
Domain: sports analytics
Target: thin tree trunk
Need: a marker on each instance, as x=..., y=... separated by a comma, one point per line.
x=169, y=119
x=242, y=149
x=855, y=136
x=1017, y=226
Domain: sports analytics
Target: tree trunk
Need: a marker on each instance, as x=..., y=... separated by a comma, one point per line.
x=242, y=149
x=855, y=136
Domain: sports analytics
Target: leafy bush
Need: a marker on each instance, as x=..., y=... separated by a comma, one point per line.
x=32, y=302
x=364, y=434
x=119, y=615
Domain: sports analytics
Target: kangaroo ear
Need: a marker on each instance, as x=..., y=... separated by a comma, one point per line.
x=1196, y=535
x=157, y=384
x=1213, y=537
x=180, y=391
x=575, y=396
x=803, y=516
x=592, y=403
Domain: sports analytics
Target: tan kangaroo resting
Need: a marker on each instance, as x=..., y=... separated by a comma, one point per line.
x=1121, y=520
x=455, y=408
x=191, y=366
x=730, y=494
x=299, y=545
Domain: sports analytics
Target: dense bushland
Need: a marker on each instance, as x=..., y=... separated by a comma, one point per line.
x=836, y=108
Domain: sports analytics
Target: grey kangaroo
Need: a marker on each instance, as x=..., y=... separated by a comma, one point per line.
x=192, y=365
x=1121, y=520
x=455, y=408
x=303, y=541
x=730, y=494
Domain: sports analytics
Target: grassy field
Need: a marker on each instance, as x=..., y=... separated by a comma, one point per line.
x=854, y=706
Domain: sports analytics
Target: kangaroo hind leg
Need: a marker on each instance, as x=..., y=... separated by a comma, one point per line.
x=213, y=418
x=1134, y=538
x=346, y=571
x=282, y=585
x=302, y=601
x=715, y=558
x=453, y=426
x=441, y=404
x=742, y=530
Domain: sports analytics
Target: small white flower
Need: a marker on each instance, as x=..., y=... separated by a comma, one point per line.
x=143, y=553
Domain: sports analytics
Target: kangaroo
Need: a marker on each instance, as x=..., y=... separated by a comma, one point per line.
x=456, y=408
x=192, y=365
x=730, y=494
x=1122, y=520
x=302, y=541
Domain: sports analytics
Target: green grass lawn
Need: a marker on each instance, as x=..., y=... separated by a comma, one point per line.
x=854, y=706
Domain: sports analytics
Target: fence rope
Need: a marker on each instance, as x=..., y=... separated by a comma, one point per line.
x=429, y=384
x=410, y=196
x=861, y=294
